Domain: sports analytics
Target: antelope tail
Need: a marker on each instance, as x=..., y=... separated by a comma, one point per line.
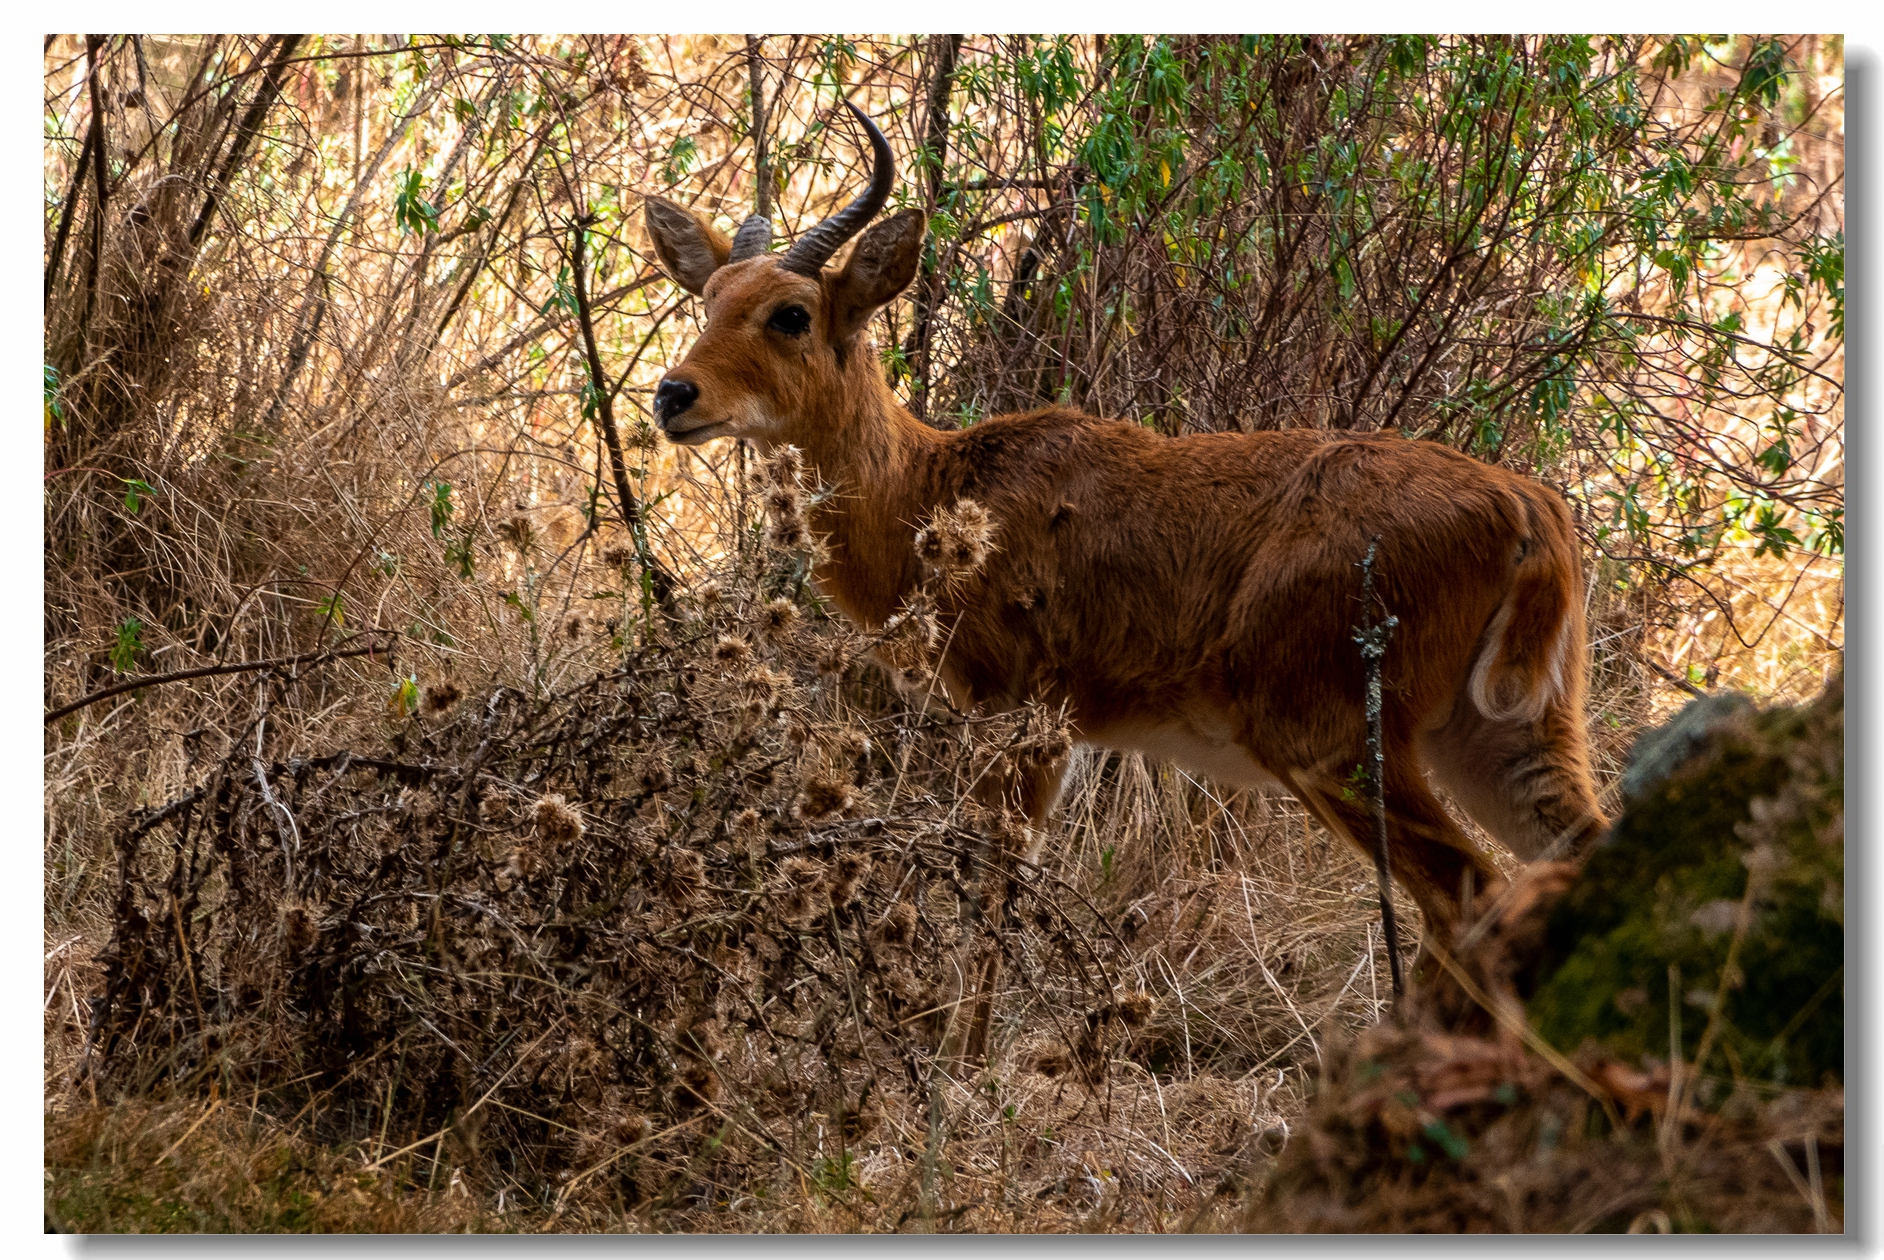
x=1523, y=655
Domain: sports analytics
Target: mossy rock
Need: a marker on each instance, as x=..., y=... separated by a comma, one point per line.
x=1722, y=794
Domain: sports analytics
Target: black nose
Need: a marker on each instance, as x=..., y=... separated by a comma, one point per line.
x=672, y=398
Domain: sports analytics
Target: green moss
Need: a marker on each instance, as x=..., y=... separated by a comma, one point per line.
x=1722, y=790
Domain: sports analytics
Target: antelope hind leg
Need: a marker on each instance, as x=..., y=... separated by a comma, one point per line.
x=1427, y=853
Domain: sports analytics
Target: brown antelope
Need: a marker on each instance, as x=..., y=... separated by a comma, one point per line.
x=1188, y=598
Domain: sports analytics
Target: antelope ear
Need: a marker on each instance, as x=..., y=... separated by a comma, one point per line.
x=879, y=268
x=690, y=248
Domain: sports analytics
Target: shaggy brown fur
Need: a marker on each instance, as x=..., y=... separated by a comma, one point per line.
x=1191, y=598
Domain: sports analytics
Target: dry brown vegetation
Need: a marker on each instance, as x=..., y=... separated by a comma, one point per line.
x=617, y=886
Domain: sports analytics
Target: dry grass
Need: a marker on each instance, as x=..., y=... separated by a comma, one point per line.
x=286, y=508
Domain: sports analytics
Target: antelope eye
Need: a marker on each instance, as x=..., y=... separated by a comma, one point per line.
x=790, y=320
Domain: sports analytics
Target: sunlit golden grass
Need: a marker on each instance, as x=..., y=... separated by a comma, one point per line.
x=280, y=514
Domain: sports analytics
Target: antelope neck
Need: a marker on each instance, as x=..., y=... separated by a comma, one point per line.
x=875, y=458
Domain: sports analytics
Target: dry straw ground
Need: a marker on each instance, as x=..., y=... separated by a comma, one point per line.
x=618, y=886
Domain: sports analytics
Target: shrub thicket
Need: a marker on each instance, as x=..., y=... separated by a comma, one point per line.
x=467, y=780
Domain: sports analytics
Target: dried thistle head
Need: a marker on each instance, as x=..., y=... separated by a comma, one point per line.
x=695, y=1085
x=833, y=657
x=794, y=907
x=557, y=822
x=523, y=862
x=628, y=1127
x=683, y=873
x=913, y=627
x=761, y=692
x=784, y=503
x=904, y=983
x=801, y=871
x=421, y=803
x=846, y=744
x=800, y=894
x=899, y=925
x=824, y=792
x=618, y=556
x=1045, y=738
x=704, y=1038
x=788, y=533
x=582, y=1056
x=655, y=772
x=957, y=540
x=850, y=871
x=709, y=593
x=518, y=532
x=1053, y=1061
x=784, y=466
x=732, y=652
x=777, y=620
x=1050, y=746
x=441, y=695
x=916, y=679
x=906, y=647
x=1134, y=1008
x=1005, y=826
x=300, y=929
x=749, y=833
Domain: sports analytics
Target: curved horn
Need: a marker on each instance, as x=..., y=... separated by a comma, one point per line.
x=753, y=238
x=812, y=250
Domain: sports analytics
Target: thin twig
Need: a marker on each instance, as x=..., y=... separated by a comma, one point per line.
x=208, y=671
x=250, y=128
x=659, y=578
x=1372, y=637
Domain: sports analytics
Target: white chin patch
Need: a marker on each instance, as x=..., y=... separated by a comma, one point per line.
x=705, y=433
x=749, y=421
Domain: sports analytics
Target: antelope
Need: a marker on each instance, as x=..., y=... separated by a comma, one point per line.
x=1189, y=598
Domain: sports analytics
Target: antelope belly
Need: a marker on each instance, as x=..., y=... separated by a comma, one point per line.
x=1205, y=750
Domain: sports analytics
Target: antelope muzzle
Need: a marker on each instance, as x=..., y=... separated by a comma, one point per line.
x=671, y=401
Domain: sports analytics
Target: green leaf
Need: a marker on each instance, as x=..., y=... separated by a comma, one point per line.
x=511, y=598
x=124, y=652
x=1448, y=1141
x=681, y=155
x=405, y=697
x=1827, y=536
x=411, y=211
x=461, y=553
x=54, y=410
x=441, y=506
x=1768, y=526
x=135, y=491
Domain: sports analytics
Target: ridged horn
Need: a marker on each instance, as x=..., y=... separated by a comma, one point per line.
x=753, y=238
x=812, y=250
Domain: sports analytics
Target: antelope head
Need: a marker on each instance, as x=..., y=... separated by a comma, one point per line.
x=779, y=360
